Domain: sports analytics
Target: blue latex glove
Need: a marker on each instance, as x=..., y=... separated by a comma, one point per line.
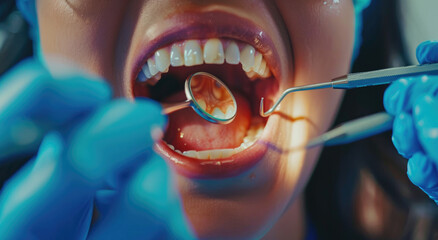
x=414, y=103
x=94, y=152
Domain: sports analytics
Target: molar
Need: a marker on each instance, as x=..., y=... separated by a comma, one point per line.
x=214, y=52
x=252, y=75
x=267, y=73
x=192, y=53
x=257, y=62
x=262, y=67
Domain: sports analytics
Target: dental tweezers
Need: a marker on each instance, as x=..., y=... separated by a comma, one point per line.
x=354, y=130
x=358, y=80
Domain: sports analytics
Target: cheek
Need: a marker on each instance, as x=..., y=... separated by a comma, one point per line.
x=82, y=34
x=322, y=37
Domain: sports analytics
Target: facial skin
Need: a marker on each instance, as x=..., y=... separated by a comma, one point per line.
x=314, y=41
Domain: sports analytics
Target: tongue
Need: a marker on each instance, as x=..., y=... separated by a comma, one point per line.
x=188, y=131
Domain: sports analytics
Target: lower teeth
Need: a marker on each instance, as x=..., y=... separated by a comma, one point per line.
x=253, y=133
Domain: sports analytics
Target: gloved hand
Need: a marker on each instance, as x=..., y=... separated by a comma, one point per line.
x=93, y=152
x=414, y=103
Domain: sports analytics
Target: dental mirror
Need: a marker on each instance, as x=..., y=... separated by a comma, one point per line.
x=209, y=97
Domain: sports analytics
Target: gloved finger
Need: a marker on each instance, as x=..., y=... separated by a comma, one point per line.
x=404, y=136
x=72, y=167
x=43, y=201
x=32, y=103
x=400, y=95
x=427, y=52
x=115, y=137
x=423, y=173
x=148, y=208
x=426, y=121
x=394, y=99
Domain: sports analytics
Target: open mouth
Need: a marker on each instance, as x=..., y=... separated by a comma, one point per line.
x=246, y=63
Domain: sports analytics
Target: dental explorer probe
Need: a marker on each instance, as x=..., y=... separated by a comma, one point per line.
x=354, y=130
x=358, y=80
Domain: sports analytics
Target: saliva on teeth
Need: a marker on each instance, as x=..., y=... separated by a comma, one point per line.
x=211, y=51
x=253, y=133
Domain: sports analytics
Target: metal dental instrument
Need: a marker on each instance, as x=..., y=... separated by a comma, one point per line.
x=358, y=80
x=354, y=130
x=209, y=97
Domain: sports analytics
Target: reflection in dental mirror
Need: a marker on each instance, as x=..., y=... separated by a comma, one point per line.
x=209, y=97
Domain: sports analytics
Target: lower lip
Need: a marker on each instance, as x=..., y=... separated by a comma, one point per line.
x=218, y=168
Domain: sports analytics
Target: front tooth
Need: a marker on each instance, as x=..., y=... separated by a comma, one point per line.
x=152, y=68
x=162, y=60
x=176, y=58
x=190, y=153
x=214, y=52
x=217, y=113
x=257, y=62
x=203, y=154
x=192, y=53
x=216, y=154
x=232, y=54
x=247, y=58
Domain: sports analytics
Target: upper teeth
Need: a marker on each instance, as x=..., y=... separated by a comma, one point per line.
x=211, y=51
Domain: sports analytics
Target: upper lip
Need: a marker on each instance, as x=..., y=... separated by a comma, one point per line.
x=204, y=25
